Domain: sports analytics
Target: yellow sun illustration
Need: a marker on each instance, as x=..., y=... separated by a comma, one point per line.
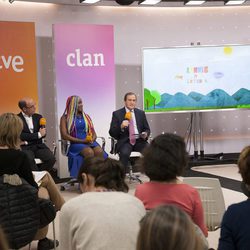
x=228, y=50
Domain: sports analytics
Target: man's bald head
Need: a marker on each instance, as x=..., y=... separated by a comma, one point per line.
x=27, y=105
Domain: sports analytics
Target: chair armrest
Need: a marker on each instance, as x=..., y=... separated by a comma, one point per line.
x=64, y=147
x=113, y=145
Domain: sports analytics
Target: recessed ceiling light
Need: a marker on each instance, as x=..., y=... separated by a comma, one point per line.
x=149, y=2
x=89, y=1
x=193, y=2
x=234, y=2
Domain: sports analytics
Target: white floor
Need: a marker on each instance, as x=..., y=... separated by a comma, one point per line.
x=229, y=171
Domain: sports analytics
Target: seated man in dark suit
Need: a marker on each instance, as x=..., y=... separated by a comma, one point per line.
x=32, y=135
x=130, y=128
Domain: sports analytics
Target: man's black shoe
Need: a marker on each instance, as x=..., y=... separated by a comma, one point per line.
x=46, y=244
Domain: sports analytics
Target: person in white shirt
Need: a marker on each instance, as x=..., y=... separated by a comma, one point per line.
x=32, y=135
x=104, y=217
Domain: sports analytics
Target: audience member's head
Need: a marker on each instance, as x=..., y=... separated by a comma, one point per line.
x=10, y=129
x=105, y=174
x=165, y=158
x=244, y=170
x=3, y=240
x=244, y=165
x=167, y=228
x=27, y=105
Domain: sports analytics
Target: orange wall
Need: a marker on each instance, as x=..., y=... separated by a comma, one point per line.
x=18, y=69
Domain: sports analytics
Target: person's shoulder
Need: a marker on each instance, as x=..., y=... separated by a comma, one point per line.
x=14, y=152
x=119, y=110
x=241, y=206
x=37, y=115
x=132, y=200
x=20, y=153
x=141, y=188
x=139, y=111
x=188, y=189
x=73, y=203
x=122, y=198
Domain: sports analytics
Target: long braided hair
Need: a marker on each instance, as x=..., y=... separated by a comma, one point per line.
x=71, y=112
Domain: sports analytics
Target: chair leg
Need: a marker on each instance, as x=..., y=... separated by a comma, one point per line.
x=71, y=182
x=132, y=176
x=54, y=233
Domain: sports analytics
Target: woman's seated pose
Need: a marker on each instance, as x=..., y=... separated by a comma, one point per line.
x=168, y=228
x=164, y=160
x=77, y=128
x=104, y=217
x=236, y=220
x=14, y=161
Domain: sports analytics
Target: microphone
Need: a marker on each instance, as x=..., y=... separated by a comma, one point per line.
x=128, y=116
x=42, y=122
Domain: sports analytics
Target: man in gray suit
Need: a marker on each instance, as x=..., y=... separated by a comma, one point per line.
x=129, y=126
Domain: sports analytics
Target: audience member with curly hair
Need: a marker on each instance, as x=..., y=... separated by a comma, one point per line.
x=164, y=160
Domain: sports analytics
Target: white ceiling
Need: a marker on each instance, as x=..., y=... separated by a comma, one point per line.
x=70, y=2
x=164, y=3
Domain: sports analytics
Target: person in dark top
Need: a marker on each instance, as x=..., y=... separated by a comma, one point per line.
x=129, y=126
x=15, y=161
x=12, y=159
x=236, y=220
x=32, y=135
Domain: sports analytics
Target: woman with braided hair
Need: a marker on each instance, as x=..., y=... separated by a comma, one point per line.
x=77, y=128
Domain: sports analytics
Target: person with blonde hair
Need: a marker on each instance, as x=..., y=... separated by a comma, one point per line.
x=14, y=161
x=236, y=220
x=168, y=228
x=77, y=127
